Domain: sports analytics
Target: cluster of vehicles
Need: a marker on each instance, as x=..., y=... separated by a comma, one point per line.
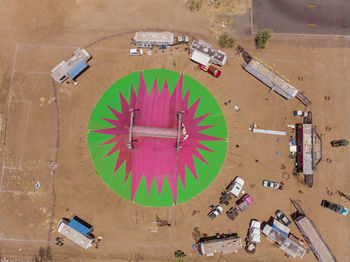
x=232, y=190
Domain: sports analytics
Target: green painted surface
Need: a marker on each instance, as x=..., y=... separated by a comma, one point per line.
x=104, y=166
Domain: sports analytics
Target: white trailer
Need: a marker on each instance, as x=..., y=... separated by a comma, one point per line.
x=149, y=39
x=85, y=241
x=200, y=58
x=72, y=67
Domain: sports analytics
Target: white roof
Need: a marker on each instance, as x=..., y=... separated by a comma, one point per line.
x=154, y=36
x=270, y=78
x=59, y=73
x=200, y=58
x=281, y=226
x=255, y=223
x=74, y=235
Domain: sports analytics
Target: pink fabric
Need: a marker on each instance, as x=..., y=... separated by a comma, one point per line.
x=154, y=157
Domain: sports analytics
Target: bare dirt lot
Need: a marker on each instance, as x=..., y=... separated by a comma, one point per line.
x=44, y=126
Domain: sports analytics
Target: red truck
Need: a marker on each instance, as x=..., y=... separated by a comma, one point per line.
x=211, y=70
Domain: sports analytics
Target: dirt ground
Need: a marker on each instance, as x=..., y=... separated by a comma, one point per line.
x=44, y=126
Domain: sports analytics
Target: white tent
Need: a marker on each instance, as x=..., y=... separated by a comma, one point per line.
x=200, y=58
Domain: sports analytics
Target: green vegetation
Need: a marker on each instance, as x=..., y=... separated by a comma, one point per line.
x=226, y=41
x=262, y=38
x=194, y=5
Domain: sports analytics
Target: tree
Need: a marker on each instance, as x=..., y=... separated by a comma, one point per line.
x=262, y=38
x=194, y=5
x=226, y=41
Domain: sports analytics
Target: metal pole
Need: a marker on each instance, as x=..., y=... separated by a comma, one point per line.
x=132, y=115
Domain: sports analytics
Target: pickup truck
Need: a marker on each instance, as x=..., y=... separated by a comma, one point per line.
x=340, y=142
x=211, y=70
x=215, y=212
x=334, y=207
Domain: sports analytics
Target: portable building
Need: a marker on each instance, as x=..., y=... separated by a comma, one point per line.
x=149, y=39
x=284, y=243
x=309, y=151
x=216, y=56
x=223, y=245
x=77, y=231
x=72, y=67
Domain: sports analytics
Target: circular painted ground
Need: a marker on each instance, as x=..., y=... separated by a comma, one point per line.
x=157, y=137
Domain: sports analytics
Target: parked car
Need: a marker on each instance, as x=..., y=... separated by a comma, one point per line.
x=211, y=70
x=282, y=217
x=235, y=187
x=334, y=207
x=134, y=51
x=274, y=185
x=340, y=142
x=215, y=212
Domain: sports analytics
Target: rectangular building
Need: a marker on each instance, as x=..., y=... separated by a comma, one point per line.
x=216, y=56
x=284, y=243
x=149, y=39
x=223, y=245
x=311, y=235
x=72, y=67
x=76, y=231
x=309, y=151
x=270, y=78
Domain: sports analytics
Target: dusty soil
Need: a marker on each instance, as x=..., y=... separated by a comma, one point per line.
x=43, y=132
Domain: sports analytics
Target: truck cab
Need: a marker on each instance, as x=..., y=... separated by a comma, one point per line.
x=236, y=186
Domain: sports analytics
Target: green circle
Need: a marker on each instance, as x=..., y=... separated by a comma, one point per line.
x=104, y=166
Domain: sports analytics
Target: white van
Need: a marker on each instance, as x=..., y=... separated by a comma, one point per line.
x=134, y=51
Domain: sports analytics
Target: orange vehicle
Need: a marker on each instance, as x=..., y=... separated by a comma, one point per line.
x=211, y=70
